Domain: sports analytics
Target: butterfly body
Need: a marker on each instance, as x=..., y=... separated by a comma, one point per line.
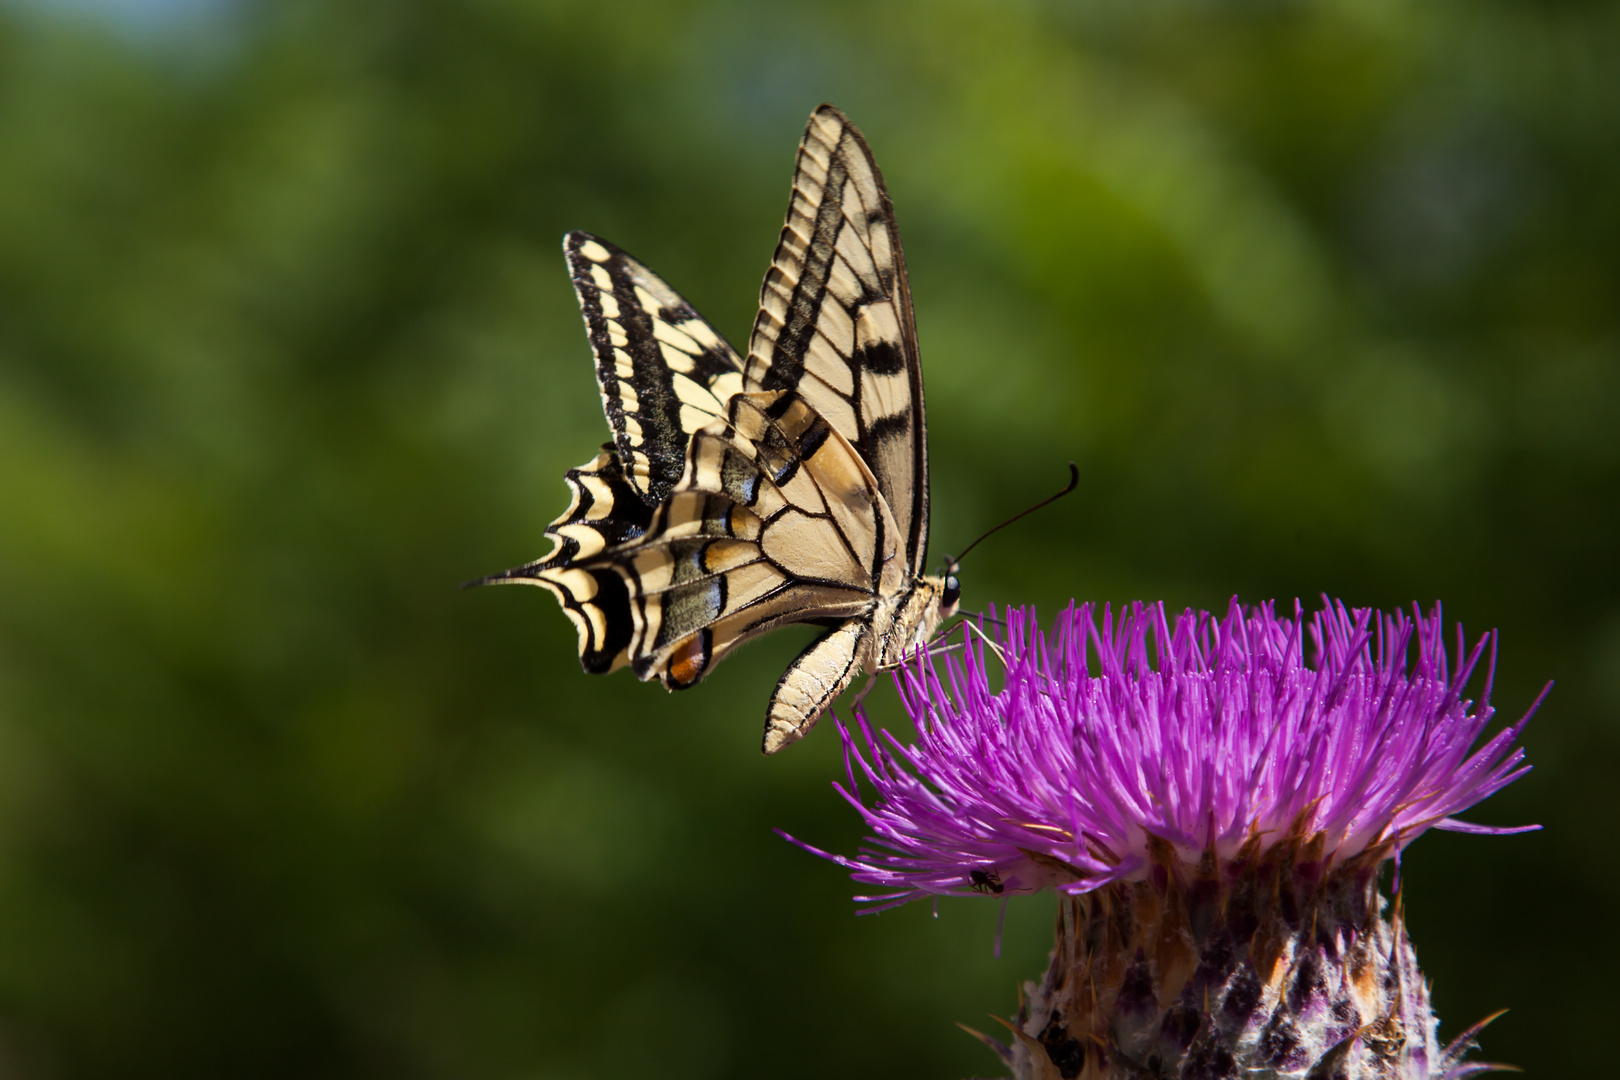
x=739, y=494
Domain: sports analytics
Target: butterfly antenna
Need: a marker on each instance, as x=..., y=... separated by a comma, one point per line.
x=1074, y=482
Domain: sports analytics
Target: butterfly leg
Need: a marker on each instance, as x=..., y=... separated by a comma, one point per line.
x=986, y=639
x=813, y=681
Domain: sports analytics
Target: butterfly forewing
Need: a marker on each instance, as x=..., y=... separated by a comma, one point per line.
x=663, y=371
x=835, y=319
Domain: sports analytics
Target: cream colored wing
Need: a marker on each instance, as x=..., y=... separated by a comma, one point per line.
x=775, y=520
x=835, y=320
x=663, y=371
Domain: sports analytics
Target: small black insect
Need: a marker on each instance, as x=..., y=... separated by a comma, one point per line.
x=986, y=881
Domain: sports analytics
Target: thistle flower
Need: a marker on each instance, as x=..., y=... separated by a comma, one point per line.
x=1215, y=811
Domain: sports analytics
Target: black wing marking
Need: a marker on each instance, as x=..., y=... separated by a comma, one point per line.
x=835, y=320
x=663, y=371
x=605, y=513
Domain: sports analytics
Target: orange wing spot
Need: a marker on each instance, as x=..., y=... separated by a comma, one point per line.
x=688, y=661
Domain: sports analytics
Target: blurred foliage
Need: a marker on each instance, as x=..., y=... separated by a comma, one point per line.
x=1320, y=296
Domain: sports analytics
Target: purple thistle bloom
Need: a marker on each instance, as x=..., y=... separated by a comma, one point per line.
x=1217, y=809
x=1209, y=736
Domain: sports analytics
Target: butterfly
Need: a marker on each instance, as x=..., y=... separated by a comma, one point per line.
x=740, y=494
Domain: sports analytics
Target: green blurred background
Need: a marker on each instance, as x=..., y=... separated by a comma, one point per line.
x=1321, y=297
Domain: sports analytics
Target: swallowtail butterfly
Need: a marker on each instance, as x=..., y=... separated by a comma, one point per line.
x=740, y=494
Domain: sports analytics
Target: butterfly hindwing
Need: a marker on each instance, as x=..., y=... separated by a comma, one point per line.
x=604, y=513
x=775, y=520
x=835, y=319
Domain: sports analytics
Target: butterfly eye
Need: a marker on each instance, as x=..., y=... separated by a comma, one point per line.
x=953, y=593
